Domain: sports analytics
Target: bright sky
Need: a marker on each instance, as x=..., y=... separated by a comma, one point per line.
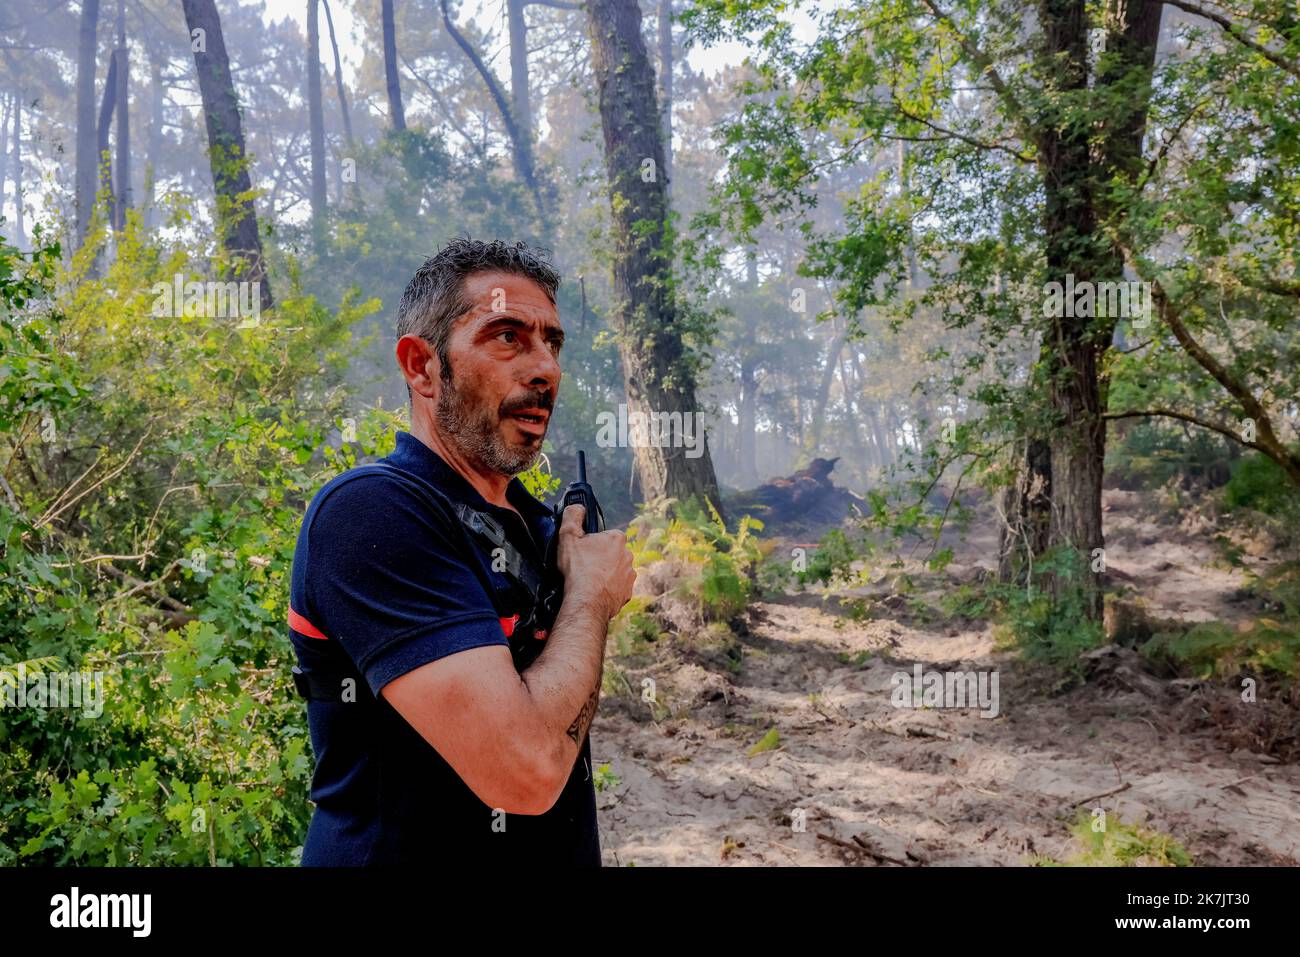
x=709, y=61
x=486, y=13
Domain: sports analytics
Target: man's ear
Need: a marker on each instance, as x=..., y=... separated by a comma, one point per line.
x=419, y=363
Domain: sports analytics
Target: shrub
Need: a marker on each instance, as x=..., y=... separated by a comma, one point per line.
x=190, y=444
x=1216, y=649
x=1259, y=483
x=720, y=565
x=1119, y=844
x=1047, y=618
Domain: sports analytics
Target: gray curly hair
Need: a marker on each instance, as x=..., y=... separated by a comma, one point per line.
x=435, y=296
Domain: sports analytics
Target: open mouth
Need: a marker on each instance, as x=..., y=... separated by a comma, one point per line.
x=530, y=422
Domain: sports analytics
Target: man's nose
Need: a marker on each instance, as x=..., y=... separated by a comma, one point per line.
x=544, y=369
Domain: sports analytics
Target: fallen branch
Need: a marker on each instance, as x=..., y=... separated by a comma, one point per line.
x=1097, y=797
x=860, y=847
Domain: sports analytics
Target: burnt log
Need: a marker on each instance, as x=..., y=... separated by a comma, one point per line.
x=805, y=501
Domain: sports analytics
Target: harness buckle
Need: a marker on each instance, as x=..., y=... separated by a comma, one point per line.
x=482, y=522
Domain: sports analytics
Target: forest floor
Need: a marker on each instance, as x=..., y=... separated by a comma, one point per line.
x=880, y=785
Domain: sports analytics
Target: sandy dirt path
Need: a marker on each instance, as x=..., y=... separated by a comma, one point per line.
x=881, y=785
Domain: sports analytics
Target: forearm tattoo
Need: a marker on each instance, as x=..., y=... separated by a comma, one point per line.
x=580, y=724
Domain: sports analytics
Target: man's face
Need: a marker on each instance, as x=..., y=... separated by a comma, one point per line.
x=505, y=372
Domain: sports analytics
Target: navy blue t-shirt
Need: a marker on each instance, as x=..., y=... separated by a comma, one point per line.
x=386, y=578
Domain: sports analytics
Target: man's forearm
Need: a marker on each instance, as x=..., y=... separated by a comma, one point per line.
x=565, y=679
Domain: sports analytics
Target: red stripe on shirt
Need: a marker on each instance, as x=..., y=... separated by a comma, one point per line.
x=303, y=626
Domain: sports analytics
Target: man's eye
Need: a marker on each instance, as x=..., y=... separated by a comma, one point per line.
x=508, y=332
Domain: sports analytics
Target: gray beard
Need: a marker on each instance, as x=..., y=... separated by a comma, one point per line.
x=475, y=432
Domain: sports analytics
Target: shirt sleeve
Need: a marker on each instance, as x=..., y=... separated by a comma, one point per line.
x=389, y=579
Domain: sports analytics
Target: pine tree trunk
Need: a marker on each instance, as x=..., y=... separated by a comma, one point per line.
x=87, y=139
x=520, y=95
x=154, y=149
x=122, y=200
x=666, y=86
x=316, y=122
x=344, y=113
x=747, y=429
x=103, y=135
x=521, y=148
x=824, y=389
x=236, y=216
x=10, y=104
x=655, y=375
x=396, y=115
x=20, y=233
x=853, y=402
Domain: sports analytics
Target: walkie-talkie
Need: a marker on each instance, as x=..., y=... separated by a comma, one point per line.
x=578, y=493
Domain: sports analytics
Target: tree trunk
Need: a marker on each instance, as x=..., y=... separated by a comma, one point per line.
x=905, y=187
x=747, y=429
x=883, y=438
x=19, y=231
x=824, y=389
x=344, y=113
x=521, y=149
x=520, y=95
x=798, y=417
x=395, y=112
x=154, y=150
x=103, y=132
x=853, y=413
x=666, y=87
x=10, y=104
x=1026, y=511
x=122, y=200
x=877, y=437
x=1070, y=449
x=316, y=122
x=1082, y=189
x=87, y=141
x=235, y=214
x=655, y=373
x=893, y=431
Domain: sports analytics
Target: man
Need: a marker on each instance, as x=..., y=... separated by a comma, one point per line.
x=446, y=726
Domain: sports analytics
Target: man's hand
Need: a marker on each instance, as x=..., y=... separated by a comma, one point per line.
x=597, y=568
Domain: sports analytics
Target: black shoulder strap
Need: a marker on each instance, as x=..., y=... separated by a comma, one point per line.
x=511, y=560
x=488, y=531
